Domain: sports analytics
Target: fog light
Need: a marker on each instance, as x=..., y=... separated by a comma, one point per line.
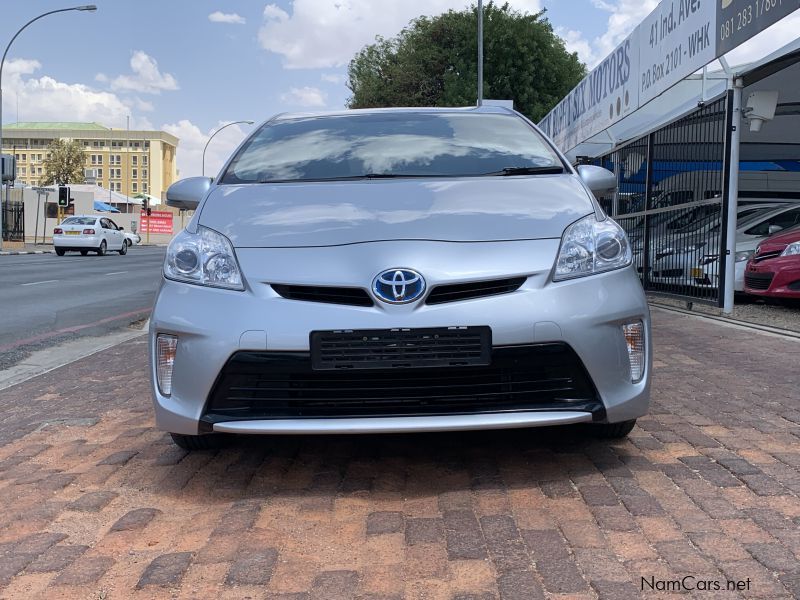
x=634, y=340
x=166, y=345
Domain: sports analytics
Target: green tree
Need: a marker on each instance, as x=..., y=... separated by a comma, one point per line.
x=433, y=62
x=64, y=163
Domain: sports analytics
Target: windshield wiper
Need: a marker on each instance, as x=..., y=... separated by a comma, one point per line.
x=548, y=170
x=351, y=177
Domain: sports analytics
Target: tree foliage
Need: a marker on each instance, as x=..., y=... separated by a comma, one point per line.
x=64, y=163
x=433, y=62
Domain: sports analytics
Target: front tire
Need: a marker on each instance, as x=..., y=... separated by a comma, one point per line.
x=124, y=249
x=198, y=442
x=101, y=251
x=60, y=251
x=613, y=431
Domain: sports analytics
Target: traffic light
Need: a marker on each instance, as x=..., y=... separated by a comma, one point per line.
x=63, y=196
x=149, y=211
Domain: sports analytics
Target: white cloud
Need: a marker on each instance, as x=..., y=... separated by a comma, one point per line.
x=221, y=17
x=101, y=77
x=333, y=78
x=142, y=105
x=146, y=78
x=192, y=141
x=305, y=96
x=625, y=16
x=341, y=28
x=46, y=99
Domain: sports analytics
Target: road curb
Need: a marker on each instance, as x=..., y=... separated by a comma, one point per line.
x=44, y=361
x=734, y=323
x=17, y=252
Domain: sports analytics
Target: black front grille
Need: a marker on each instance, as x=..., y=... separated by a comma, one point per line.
x=758, y=281
x=475, y=289
x=325, y=294
x=274, y=385
x=400, y=348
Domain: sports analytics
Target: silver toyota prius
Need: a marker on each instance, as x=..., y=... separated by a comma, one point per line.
x=397, y=270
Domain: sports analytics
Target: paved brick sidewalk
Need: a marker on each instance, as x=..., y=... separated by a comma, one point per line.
x=98, y=504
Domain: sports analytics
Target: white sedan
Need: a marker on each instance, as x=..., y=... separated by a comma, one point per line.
x=89, y=233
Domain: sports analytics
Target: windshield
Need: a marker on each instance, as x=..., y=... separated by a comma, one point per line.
x=402, y=144
x=79, y=221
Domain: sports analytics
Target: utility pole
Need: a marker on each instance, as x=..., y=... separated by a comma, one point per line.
x=480, y=52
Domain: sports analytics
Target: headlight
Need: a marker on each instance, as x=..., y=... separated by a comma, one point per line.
x=744, y=255
x=590, y=246
x=203, y=258
x=792, y=249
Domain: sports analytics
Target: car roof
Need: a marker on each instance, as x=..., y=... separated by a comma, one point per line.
x=484, y=109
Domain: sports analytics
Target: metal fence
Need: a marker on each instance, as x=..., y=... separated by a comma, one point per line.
x=13, y=221
x=671, y=202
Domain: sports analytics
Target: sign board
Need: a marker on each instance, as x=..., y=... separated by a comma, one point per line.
x=675, y=40
x=603, y=97
x=159, y=221
x=739, y=20
x=43, y=189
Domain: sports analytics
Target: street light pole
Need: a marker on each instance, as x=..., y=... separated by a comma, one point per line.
x=480, y=52
x=87, y=7
x=203, y=171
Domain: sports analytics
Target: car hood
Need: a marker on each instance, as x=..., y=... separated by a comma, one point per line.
x=335, y=213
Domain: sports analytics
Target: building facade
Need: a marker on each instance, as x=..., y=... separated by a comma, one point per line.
x=126, y=161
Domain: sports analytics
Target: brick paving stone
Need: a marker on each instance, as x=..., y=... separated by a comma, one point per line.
x=56, y=559
x=86, y=570
x=119, y=458
x=774, y=557
x=135, y=519
x=166, y=570
x=384, y=522
x=38, y=543
x=335, y=585
x=422, y=530
x=554, y=564
x=92, y=501
x=252, y=567
x=519, y=585
x=506, y=548
x=463, y=535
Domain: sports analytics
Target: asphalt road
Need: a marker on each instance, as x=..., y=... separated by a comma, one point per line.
x=46, y=299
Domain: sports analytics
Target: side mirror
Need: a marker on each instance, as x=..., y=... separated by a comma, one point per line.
x=775, y=229
x=601, y=181
x=121, y=228
x=187, y=193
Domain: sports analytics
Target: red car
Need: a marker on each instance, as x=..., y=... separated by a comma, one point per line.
x=774, y=270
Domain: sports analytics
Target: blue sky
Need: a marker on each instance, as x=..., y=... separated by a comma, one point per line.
x=188, y=66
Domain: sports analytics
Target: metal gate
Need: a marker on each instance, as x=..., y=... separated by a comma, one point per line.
x=671, y=202
x=13, y=222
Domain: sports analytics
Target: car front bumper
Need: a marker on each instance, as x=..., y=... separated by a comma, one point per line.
x=585, y=314
x=781, y=275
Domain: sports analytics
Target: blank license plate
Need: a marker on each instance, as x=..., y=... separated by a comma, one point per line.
x=72, y=232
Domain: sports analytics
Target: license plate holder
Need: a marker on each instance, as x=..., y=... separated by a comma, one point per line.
x=399, y=348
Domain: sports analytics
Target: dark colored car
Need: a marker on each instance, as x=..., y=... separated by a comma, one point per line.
x=774, y=269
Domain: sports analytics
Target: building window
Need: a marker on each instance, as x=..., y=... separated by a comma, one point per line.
x=144, y=187
x=135, y=160
x=144, y=173
x=99, y=173
x=134, y=187
x=144, y=160
x=99, y=159
x=94, y=159
x=39, y=170
x=95, y=144
x=24, y=157
x=135, y=173
x=119, y=173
